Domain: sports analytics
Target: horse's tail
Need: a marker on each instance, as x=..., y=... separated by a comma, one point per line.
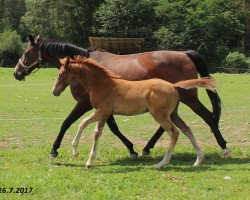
x=206, y=82
x=203, y=71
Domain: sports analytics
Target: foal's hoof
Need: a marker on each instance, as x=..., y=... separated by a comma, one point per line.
x=134, y=155
x=226, y=153
x=158, y=166
x=198, y=160
x=145, y=153
x=76, y=155
x=88, y=166
x=53, y=154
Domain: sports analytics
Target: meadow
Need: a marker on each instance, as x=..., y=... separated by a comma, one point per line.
x=30, y=119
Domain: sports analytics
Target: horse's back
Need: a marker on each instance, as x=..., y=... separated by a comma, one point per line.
x=171, y=66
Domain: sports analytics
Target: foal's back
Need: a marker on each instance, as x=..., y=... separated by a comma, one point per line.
x=136, y=97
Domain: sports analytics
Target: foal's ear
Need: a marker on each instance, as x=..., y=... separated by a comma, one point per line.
x=66, y=63
x=37, y=38
x=31, y=39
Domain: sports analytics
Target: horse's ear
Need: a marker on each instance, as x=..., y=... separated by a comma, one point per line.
x=31, y=39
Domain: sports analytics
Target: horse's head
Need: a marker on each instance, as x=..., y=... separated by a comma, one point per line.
x=64, y=78
x=30, y=59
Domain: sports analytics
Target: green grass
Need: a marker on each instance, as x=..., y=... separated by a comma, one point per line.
x=30, y=119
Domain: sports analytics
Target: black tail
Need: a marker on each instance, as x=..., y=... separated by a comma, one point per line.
x=203, y=71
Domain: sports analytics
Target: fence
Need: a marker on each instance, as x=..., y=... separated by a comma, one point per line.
x=117, y=45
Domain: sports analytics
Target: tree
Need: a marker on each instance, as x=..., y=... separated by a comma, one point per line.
x=125, y=18
x=11, y=13
x=68, y=20
x=209, y=26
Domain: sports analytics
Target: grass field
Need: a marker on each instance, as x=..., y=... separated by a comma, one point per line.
x=30, y=119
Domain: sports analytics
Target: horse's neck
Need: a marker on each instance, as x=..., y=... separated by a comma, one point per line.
x=52, y=60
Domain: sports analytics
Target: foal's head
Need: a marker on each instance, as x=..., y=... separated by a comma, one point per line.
x=64, y=78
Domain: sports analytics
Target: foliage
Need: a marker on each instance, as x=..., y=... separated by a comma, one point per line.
x=12, y=11
x=31, y=118
x=125, y=18
x=60, y=19
x=212, y=27
x=11, y=47
x=235, y=60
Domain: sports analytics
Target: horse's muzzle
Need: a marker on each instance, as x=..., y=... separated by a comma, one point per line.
x=56, y=92
x=19, y=76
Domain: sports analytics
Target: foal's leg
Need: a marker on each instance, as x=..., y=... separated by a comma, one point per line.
x=164, y=120
x=97, y=134
x=84, y=123
x=174, y=134
x=187, y=131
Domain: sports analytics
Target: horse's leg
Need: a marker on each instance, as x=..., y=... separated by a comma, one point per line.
x=84, y=123
x=152, y=141
x=187, y=131
x=76, y=113
x=207, y=116
x=97, y=134
x=114, y=128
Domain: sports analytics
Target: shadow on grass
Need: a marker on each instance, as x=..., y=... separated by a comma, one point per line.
x=180, y=162
x=66, y=164
x=183, y=158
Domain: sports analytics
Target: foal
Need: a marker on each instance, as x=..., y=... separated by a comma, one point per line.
x=109, y=94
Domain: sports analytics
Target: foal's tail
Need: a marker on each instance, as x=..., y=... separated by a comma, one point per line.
x=202, y=69
x=206, y=82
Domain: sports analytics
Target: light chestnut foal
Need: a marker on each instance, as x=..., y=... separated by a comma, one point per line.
x=109, y=95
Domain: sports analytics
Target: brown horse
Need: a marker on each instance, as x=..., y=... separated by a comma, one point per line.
x=171, y=66
x=109, y=95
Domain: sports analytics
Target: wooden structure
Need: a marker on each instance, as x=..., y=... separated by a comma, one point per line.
x=117, y=45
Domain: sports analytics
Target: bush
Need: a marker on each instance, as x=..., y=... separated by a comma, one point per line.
x=10, y=48
x=235, y=60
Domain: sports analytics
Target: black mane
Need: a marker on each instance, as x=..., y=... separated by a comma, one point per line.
x=62, y=49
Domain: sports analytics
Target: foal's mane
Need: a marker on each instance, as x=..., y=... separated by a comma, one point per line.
x=92, y=63
x=62, y=49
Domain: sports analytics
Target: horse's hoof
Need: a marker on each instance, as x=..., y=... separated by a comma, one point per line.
x=134, y=155
x=76, y=155
x=226, y=153
x=53, y=154
x=145, y=153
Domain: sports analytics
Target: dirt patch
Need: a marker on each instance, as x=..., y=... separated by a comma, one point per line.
x=10, y=144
